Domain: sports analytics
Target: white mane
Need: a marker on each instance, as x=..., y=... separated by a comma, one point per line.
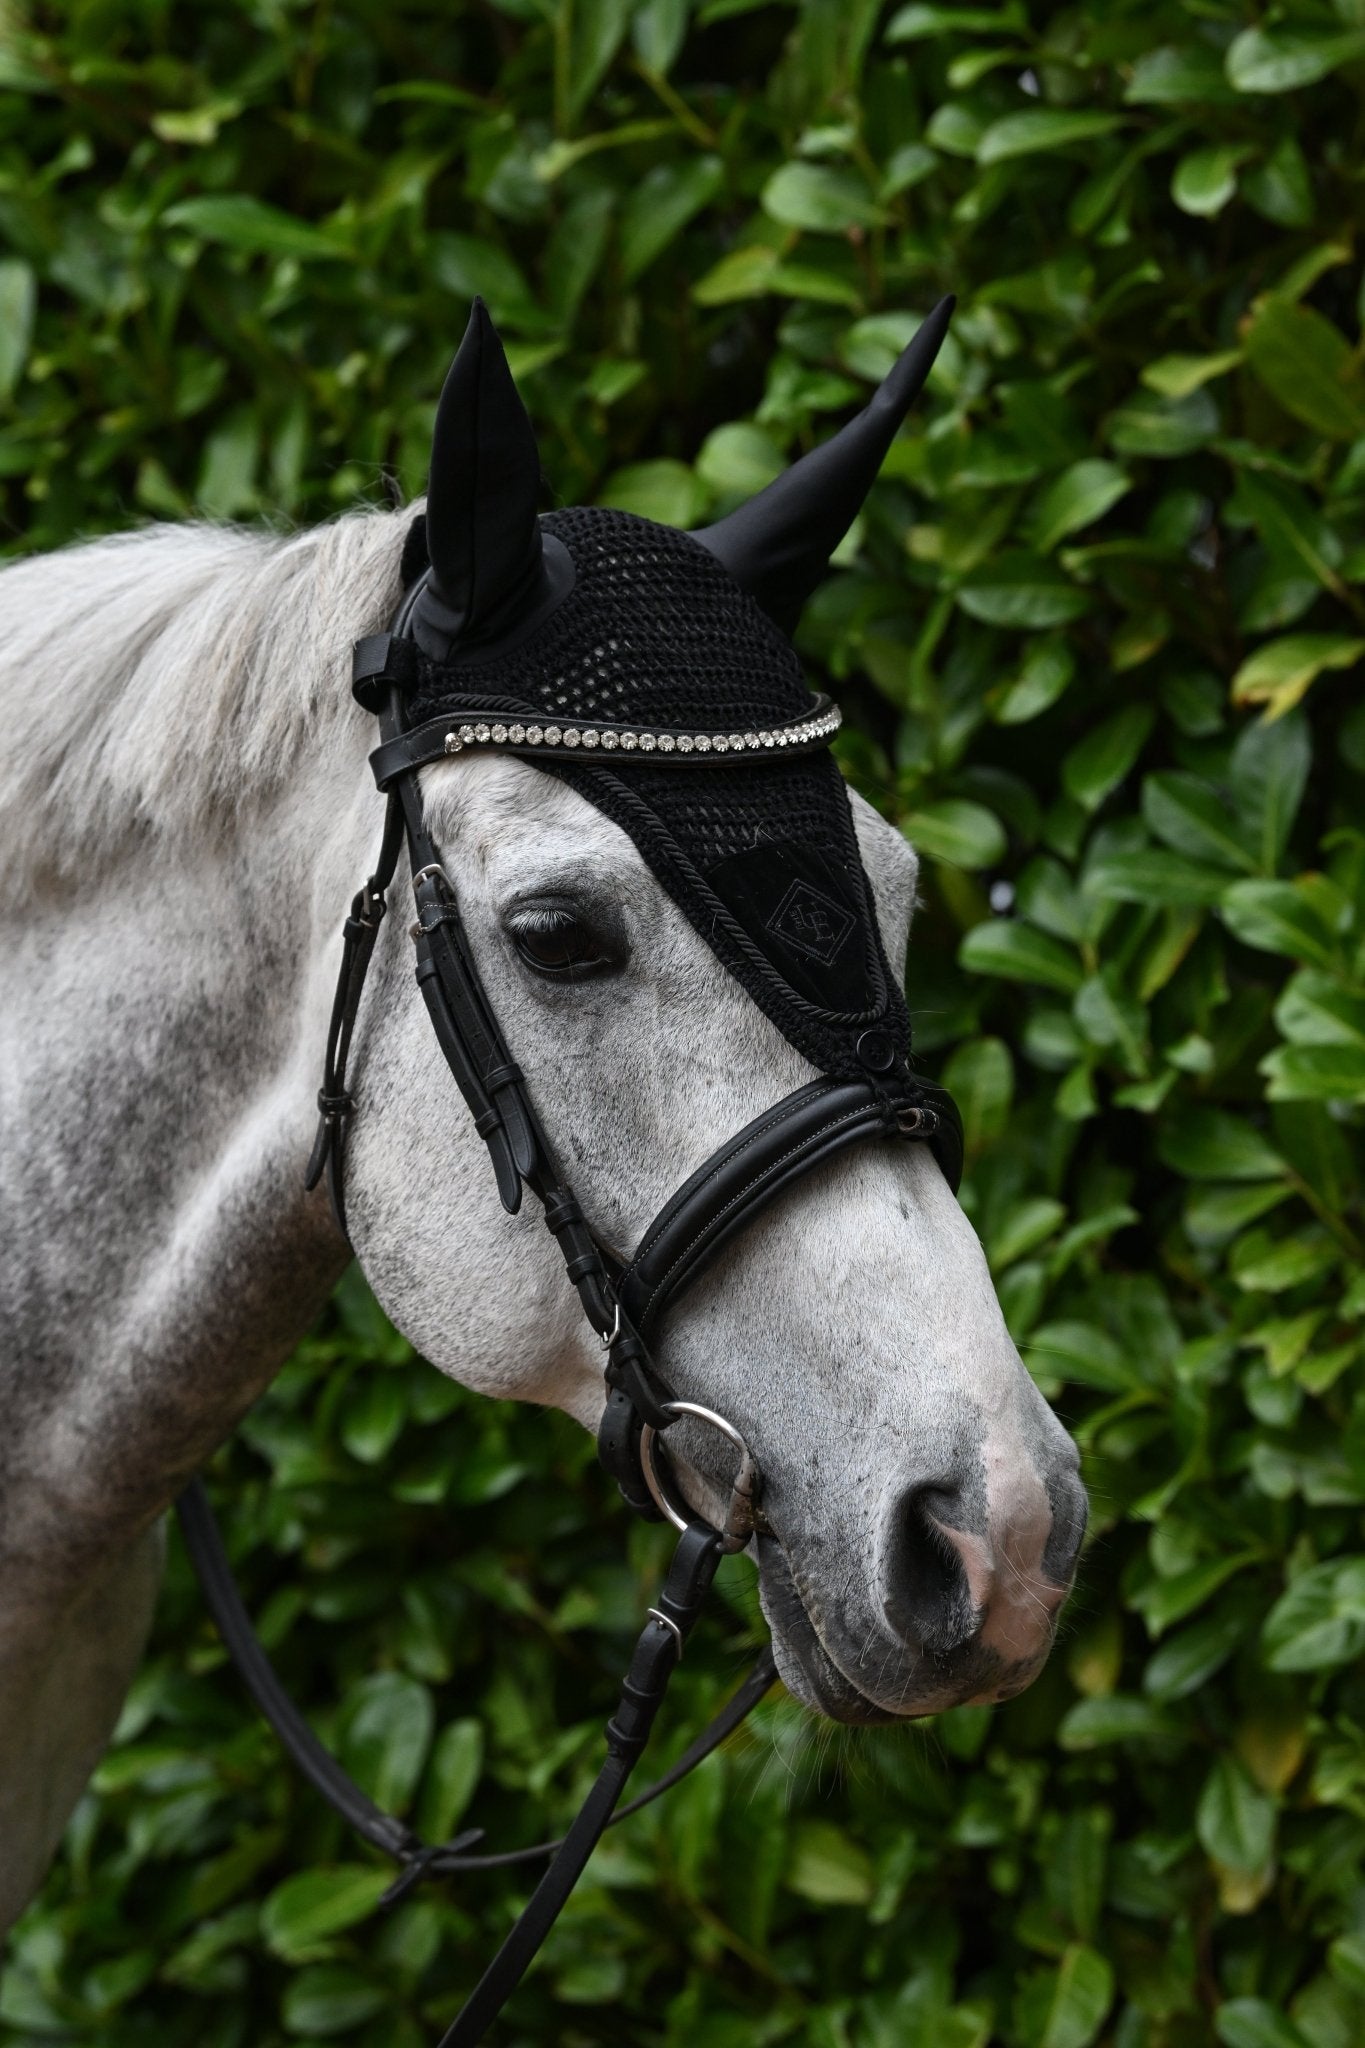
x=153, y=680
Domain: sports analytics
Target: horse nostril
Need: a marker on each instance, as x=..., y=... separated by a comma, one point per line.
x=926, y=1597
x=1070, y=1512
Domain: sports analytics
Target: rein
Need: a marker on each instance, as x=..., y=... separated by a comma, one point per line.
x=622, y=1303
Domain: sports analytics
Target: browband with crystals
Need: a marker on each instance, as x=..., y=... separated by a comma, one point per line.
x=465, y=727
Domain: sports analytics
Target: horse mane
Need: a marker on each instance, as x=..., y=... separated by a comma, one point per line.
x=155, y=681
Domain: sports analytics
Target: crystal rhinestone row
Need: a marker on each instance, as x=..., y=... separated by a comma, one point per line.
x=612, y=739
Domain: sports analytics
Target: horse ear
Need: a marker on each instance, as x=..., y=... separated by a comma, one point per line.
x=777, y=547
x=482, y=532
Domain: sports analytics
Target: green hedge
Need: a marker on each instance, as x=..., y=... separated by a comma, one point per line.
x=1098, y=634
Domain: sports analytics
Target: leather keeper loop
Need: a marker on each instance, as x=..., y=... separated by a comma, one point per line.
x=628, y=1369
x=503, y=1077
x=579, y=1268
x=380, y=663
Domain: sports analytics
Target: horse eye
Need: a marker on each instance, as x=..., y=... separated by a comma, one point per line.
x=557, y=943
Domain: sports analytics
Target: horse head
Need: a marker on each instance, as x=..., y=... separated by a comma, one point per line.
x=671, y=947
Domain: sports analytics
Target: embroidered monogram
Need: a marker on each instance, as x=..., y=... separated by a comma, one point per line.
x=811, y=923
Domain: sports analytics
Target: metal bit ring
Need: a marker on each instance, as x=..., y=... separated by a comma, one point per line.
x=741, y=1516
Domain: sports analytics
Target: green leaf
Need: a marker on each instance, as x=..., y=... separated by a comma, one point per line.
x=1165, y=427
x=1214, y=1214
x=1308, y=366
x=1318, y=1622
x=1212, y=1144
x=1169, y=1600
x=1346, y=1960
x=18, y=304
x=980, y=1078
x=1109, y=1017
x=814, y=196
x=1281, y=672
x=309, y=1908
x=1206, y=179
x=742, y=274
x=1316, y=1009
x=1281, y=188
x=1177, y=75
x=1047, y=668
x=757, y=272
x=658, y=32
x=1024, y=1226
x=1193, y=819
x=906, y=167
x=1037, y=128
x=1066, y=2007
x=739, y=459
x=469, y=268
x=1075, y=499
x=827, y=1866
x=660, y=206
x=955, y=830
x=387, y=1729
x=1277, y=917
x=1315, y=1073
x=665, y=491
x=1283, y=59
x=1261, y=1264
x=913, y=23
x=1290, y=527
x=1152, y=875
x=1187, y=1661
x=1235, y=1820
x=1177, y=376
x=375, y=1412
x=1113, y=1717
x=1084, y=1354
x=1016, y=952
x=1252, y=2023
x=1021, y=590
x=597, y=33
x=452, y=1778
x=1268, y=773
x=1097, y=764
x=330, y=1998
x=239, y=221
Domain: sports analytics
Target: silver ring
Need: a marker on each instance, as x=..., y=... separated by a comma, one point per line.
x=740, y=1517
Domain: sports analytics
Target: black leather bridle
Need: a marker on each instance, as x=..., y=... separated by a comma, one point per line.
x=622, y=1302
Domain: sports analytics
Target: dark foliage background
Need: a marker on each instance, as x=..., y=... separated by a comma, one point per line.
x=1099, y=634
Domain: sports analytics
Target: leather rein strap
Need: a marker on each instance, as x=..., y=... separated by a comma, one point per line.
x=622, y=1304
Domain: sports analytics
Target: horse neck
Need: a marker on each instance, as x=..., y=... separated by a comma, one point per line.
x=166, y=1021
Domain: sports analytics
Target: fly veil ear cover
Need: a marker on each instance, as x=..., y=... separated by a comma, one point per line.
x=592, y=618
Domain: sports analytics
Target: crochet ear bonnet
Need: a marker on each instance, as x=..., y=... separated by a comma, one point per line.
x=652, y=671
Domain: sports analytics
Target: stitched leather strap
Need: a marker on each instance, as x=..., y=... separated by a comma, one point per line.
x=744, y=1176
x=655, y=1659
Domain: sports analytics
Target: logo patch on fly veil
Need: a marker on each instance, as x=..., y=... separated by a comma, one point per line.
x=810, y=923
